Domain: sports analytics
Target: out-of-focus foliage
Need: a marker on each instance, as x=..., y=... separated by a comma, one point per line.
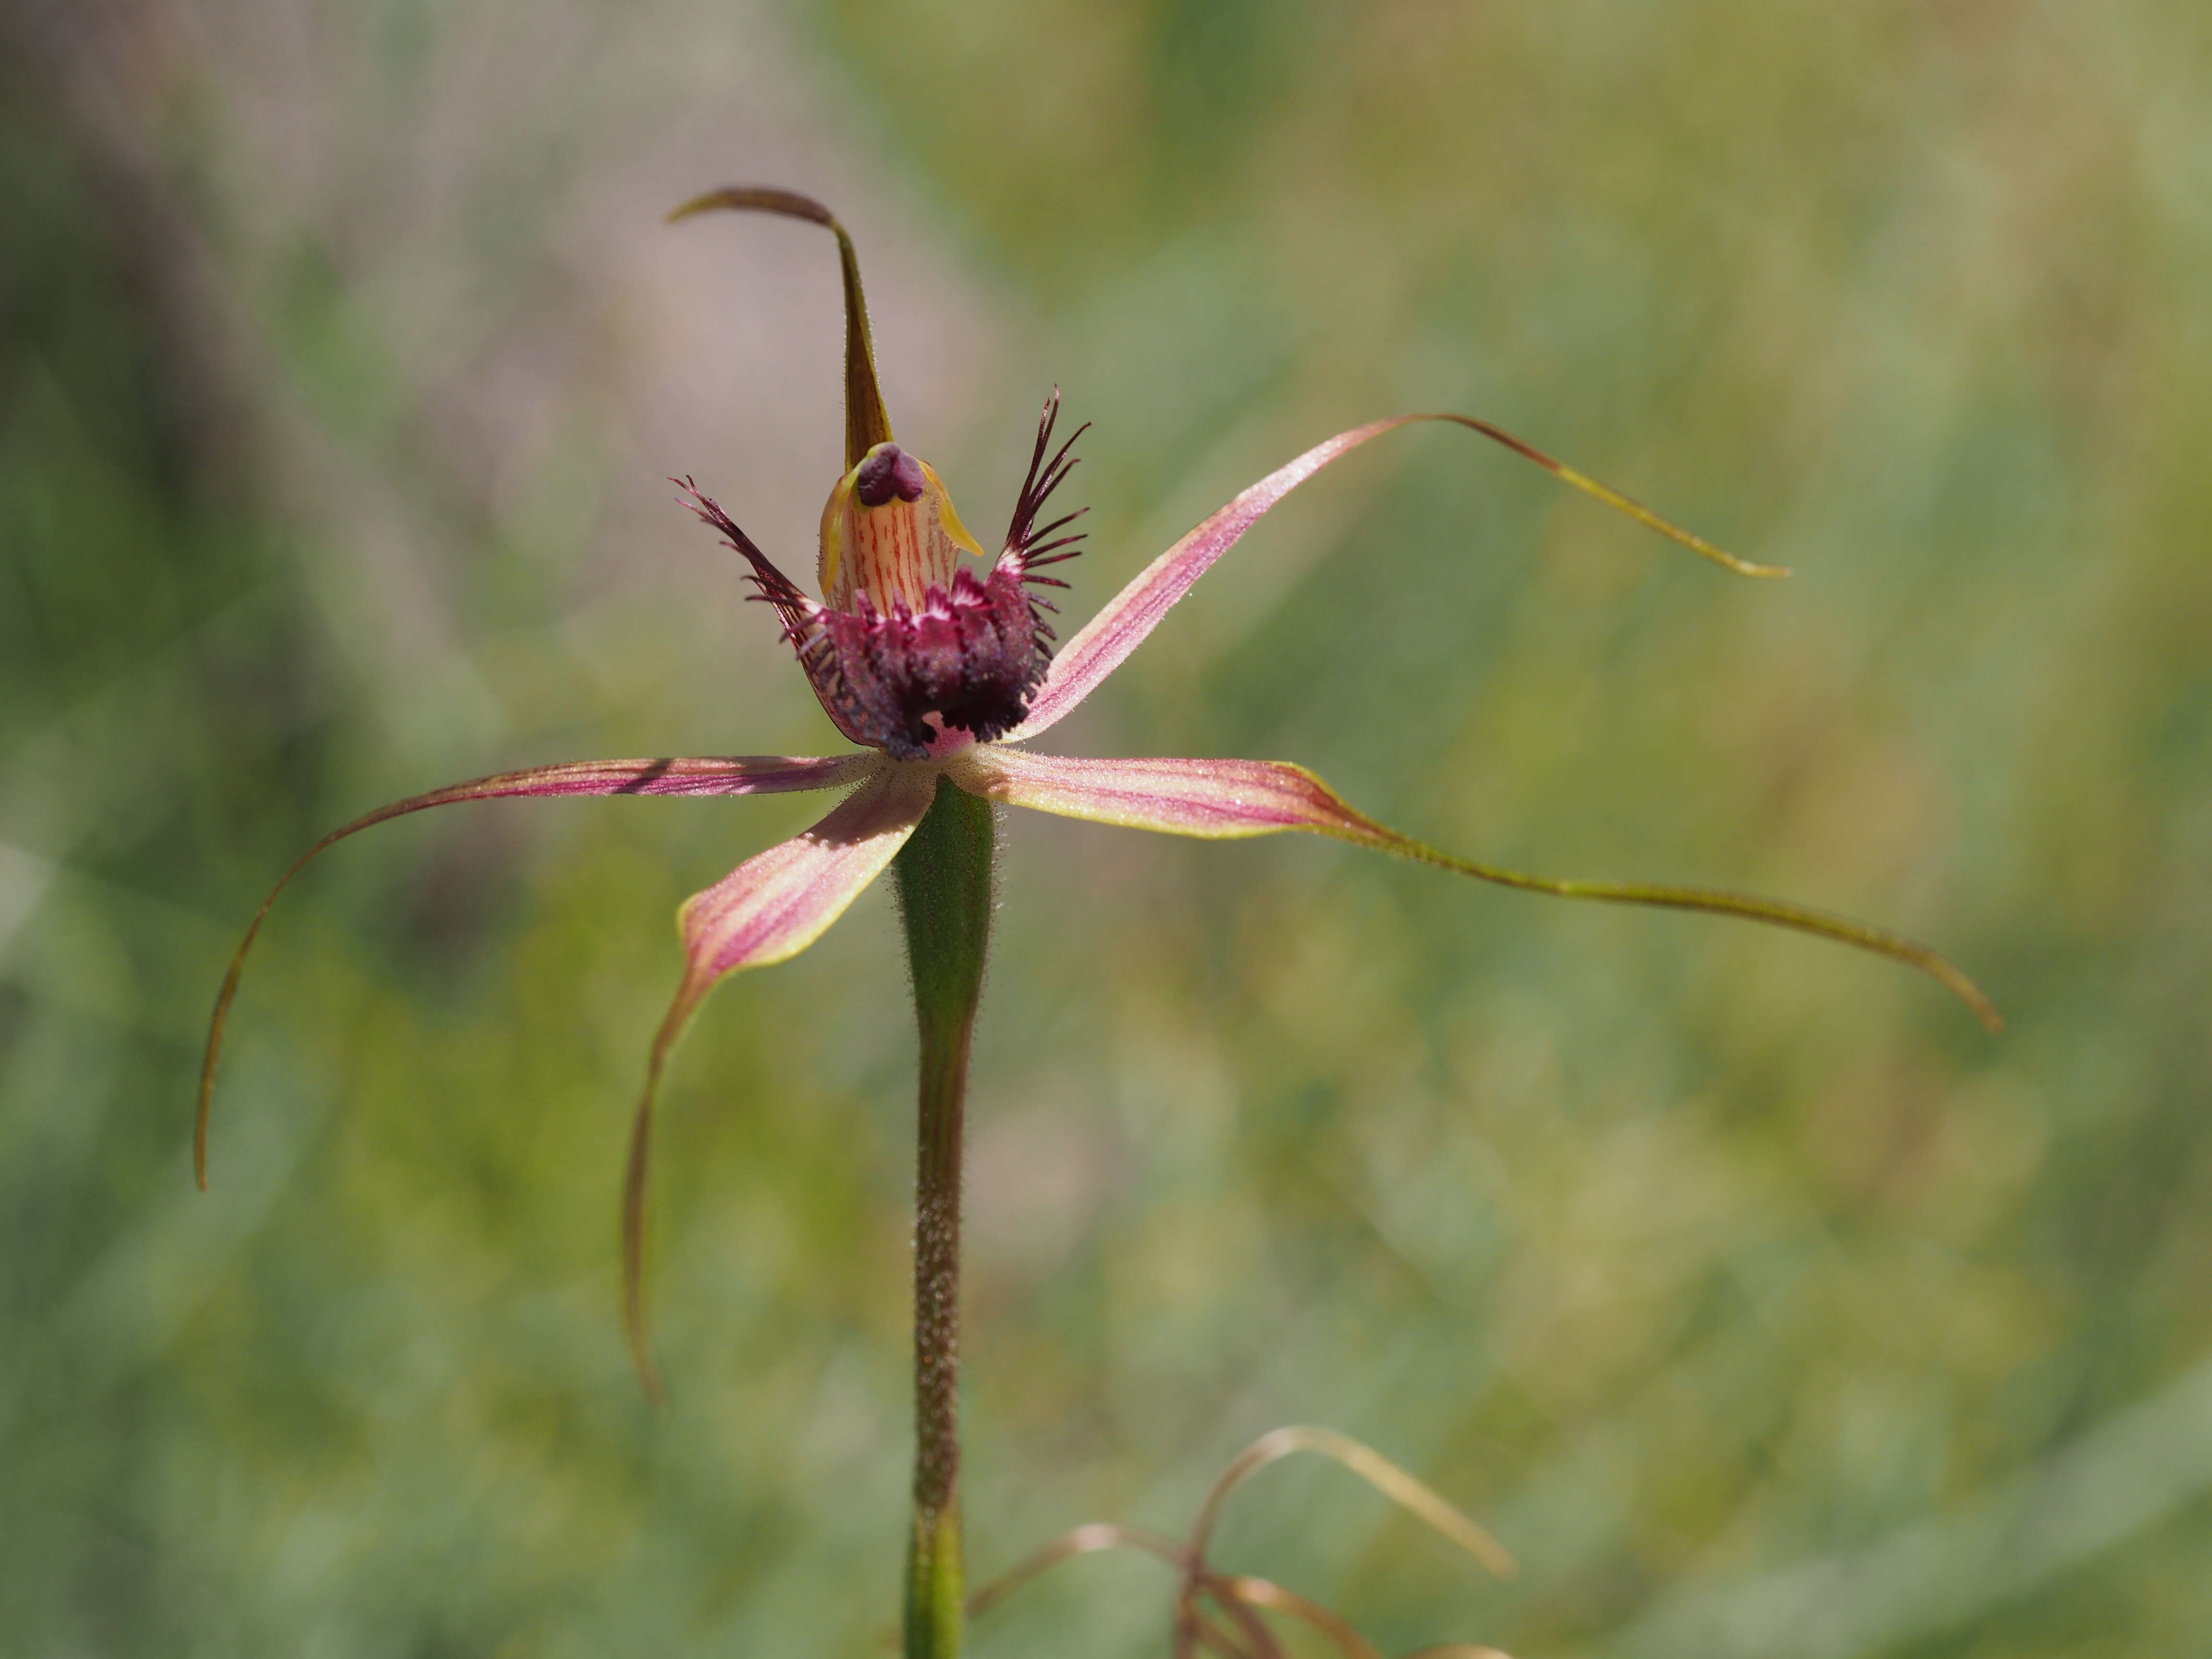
x=1760, y=1302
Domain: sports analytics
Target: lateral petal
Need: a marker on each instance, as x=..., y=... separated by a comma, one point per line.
x=1220, y=799
x=736, y=775
x=768, y=909
x=1120, y=626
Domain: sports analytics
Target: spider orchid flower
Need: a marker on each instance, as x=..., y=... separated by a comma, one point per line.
x=937, y=661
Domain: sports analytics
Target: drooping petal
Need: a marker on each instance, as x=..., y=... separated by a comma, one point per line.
x=739, y=774
x=1219, y=800
x=1121, y=625
x=768, y=909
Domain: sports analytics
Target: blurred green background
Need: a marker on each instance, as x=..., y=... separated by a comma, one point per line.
x=1761, y=1303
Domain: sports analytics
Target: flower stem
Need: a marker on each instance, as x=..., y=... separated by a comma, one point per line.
x=944, y=894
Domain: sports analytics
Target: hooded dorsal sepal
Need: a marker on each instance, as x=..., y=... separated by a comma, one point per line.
x=867, y=423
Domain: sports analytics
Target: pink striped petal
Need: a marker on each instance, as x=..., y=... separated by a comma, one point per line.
x=1213, y=799
x=1103, y=642
x=774, y=906
x=768, y=909
x=732, y=774
x=1120, y=627
x=1219, y=800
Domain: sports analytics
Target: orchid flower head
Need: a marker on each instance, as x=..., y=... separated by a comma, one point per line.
x=938, y=664
x=906, y=643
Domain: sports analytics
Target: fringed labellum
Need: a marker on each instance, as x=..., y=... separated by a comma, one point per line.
x=911, y=651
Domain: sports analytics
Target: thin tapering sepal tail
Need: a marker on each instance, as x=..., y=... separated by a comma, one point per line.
x=1222, y=800
x=1124, y=621
x=866, y=421
x=767, y=910
x=736, y=775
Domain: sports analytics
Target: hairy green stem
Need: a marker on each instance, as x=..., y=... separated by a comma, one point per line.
x=944, y=893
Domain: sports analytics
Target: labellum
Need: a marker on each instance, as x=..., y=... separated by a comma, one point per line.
x=909, y=650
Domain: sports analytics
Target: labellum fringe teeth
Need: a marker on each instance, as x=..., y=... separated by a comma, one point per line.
x=970, y=655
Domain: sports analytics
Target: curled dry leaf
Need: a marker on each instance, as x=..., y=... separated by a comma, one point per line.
x=1216, y=1613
